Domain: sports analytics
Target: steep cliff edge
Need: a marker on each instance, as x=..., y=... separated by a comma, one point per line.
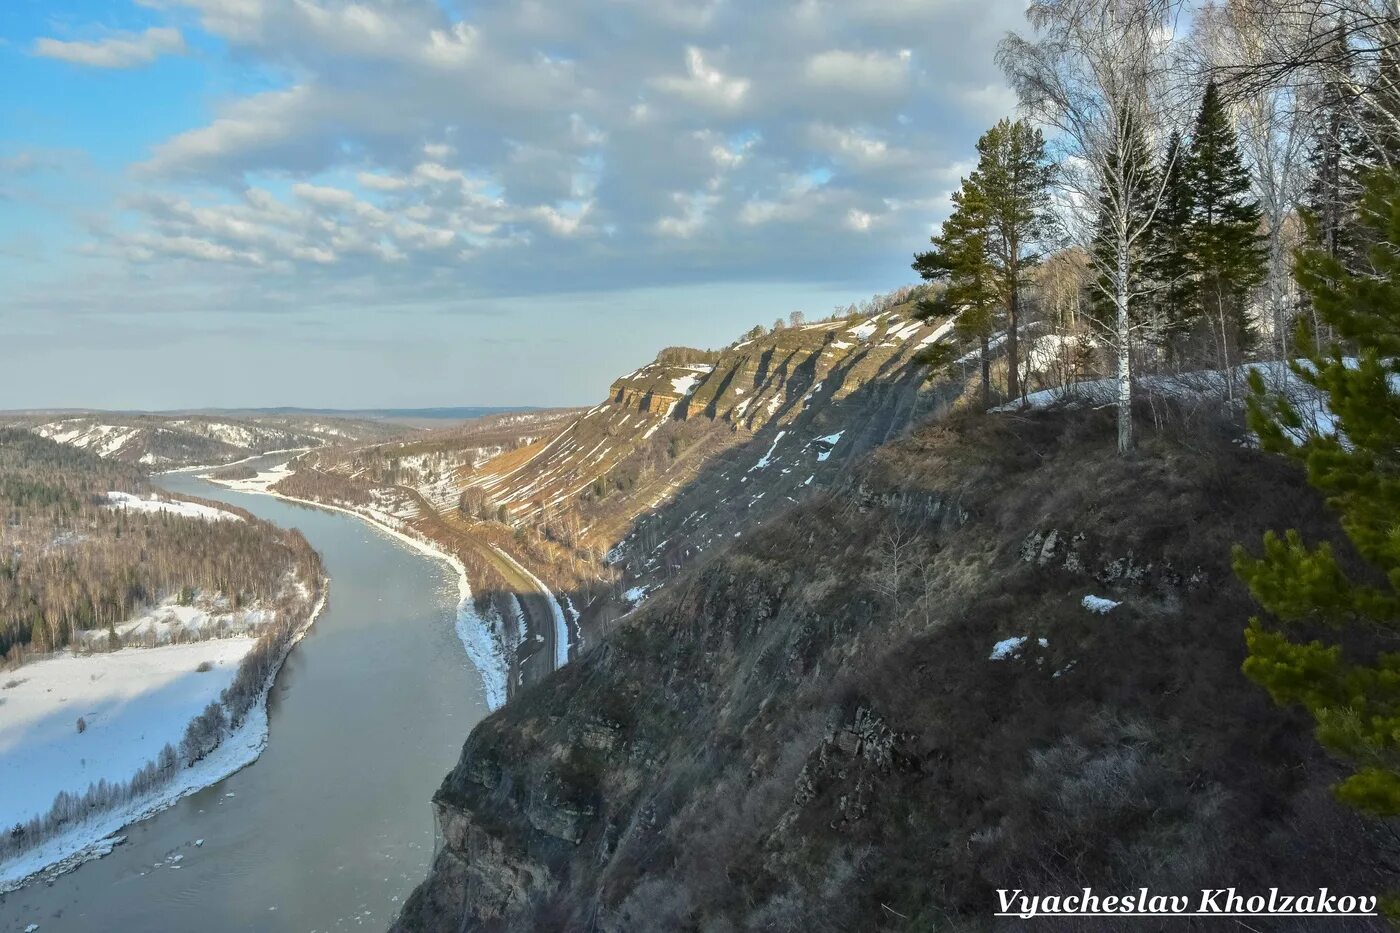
x=606, y=505
x=897, y=697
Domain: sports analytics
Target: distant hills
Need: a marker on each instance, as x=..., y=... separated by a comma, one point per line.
x=442, y=413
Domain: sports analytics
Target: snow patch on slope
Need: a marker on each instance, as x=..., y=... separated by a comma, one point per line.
x=125, y=500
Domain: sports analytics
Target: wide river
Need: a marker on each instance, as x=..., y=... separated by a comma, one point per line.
x=331, y=828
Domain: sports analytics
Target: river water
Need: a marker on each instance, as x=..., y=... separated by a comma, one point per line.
x=331, y=828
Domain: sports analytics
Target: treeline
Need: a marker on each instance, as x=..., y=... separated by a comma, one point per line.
x=856, y=310
x=69, y=562
x=309, y=482
x=1143, y=215
x=205, y=733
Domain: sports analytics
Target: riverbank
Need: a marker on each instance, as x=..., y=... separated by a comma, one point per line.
x=98, y=835
x=210, y=467
x=482, y=647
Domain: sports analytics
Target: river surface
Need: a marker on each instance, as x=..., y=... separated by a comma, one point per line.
x=331, y=828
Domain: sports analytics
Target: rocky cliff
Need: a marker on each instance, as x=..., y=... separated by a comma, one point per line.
x=992, y=654
x=606, y=505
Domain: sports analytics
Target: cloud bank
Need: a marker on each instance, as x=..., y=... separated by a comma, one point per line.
x=531, y=147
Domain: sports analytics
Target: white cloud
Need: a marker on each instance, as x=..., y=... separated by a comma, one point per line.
x=880, y=73
x=381, y=182
x=693, y=210
x=118, y=50
x=992, y=101
x=859, y=150
x=704, y=84
x=532, y=145
x=859, y=220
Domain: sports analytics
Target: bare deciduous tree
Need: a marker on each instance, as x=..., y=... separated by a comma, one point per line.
x=894, y=555
x=1096, y=71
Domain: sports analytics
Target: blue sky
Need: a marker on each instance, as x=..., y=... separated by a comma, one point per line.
x=425, y=202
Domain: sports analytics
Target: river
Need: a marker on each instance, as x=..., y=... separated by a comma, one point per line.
x=331, y=828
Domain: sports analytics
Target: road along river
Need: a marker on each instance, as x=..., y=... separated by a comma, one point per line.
x=331, y=828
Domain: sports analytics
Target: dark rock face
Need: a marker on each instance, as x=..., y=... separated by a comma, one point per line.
x=808, y=730
x=478, y=881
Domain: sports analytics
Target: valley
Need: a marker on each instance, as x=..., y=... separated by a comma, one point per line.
x=607, y=504
x=795, y=604
x=269, y=846
x=690, y=466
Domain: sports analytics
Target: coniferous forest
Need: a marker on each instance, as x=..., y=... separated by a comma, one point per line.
x=74, y=563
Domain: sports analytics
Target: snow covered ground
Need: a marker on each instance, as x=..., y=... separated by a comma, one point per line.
x=97, y=835
x=133, y=503
x=172, y=622
x=259, y=483
x=133, y=703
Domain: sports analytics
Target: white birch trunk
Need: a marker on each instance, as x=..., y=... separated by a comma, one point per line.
x=1123, y=329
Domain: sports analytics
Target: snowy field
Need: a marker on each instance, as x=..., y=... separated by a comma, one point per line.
x=133, y=701
x=125, y=500
x=259, y=483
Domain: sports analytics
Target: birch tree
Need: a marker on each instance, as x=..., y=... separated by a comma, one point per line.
x=1092, y=70
x=1352, y=44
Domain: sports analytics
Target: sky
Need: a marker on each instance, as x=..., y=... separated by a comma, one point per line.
x=395, y=203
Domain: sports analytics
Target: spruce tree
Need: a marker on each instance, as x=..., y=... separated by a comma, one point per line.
x=1335, y=164
x=1312, y=650
x=1225, y=239
x=1169, y=264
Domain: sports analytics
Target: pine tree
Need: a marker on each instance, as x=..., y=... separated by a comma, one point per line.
x=959, y=262
x=1169, y=263
x=1001, y=219
x=1310, y=653
x=1225, y=239
x=1013, y=182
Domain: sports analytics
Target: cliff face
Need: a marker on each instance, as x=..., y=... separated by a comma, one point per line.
x=892, y=700
x=699, y=445
x=772, y=381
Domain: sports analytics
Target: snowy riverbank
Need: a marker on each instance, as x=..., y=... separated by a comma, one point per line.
x=209, y=467
x=97, y=835
x=486, y=654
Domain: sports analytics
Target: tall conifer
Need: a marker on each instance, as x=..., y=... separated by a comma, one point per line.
x=1001, y=220
x=959, y=262
x=1225, y=238
x=1170, y=264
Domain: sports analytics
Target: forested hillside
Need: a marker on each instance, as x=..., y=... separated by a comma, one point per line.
x=74, y=561
x=174, y=441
